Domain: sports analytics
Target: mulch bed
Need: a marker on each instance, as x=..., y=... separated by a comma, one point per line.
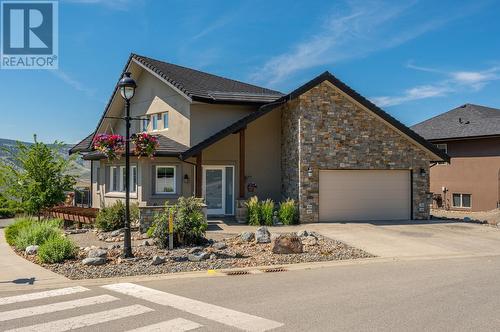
x=238, y=254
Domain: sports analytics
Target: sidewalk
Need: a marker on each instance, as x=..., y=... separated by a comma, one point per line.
x=16, y=271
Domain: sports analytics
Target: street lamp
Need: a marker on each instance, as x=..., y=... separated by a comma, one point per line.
x=127, y=87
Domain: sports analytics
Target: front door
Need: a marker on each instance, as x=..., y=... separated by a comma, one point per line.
x=218, y=189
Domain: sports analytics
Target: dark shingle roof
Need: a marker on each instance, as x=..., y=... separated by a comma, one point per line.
x=208, y=87
x=83, y=145
x=464, y=121
x=167, y=148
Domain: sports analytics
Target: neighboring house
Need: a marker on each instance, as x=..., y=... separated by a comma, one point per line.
x=470, y=135
x=337, y=154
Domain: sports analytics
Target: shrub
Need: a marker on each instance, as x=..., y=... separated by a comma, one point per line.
x=7, y=213
x=13, y=229
x=253, y=215
x=56, y=249
x=287, y=212
x=190, y=224
x=151, y=230
x=266, y=212
x=36, y=233
x=113, y=217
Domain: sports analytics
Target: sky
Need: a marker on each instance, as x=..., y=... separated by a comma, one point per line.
x=415, y=59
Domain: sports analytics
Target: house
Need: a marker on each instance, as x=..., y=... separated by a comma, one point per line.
x=338, y=155
x=470, y=135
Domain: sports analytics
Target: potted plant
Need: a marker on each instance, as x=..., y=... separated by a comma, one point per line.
x=110, y=145
x=145, y=144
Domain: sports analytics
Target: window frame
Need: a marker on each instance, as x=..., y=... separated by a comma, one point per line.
x=154, y=122
x=144, y=124
x=164, y=116
x=445, y=150
x=156, y=192
x=120, y=183
x=461, y=206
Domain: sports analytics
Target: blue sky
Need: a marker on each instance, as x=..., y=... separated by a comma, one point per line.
x=415, y=59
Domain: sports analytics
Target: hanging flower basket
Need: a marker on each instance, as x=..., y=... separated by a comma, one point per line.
x=110, y=145
x=145, y=144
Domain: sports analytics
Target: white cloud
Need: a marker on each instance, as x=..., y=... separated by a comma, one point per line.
x=455, y=81
x=72, y=82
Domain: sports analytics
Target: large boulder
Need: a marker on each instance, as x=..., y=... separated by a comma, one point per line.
x=157, y=260
x=195, y=250
x=287, y=244
x=198, y=256
x=117, y=232
x=247, y=236
x=97, y=253
x=219, y=245
x=94, y=261
x=262, y=235
x=31, y=250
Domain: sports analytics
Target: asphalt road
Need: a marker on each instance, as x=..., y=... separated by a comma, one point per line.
x=452, y=294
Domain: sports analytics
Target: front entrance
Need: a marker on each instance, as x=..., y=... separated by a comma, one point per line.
x=218, y=189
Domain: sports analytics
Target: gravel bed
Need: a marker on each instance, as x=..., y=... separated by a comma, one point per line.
x=238, y=254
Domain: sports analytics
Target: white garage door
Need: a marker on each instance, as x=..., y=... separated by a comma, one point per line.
x=357, y=195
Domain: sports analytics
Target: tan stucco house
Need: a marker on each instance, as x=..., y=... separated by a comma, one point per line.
x=340, y=156
x=470, y=135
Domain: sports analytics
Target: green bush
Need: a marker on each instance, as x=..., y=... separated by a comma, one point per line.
x=36, y=233
x=266, y=212
x=287, y=212
x=7, y=213
x=113, y=217
x=190, y=223
x=56, y=249
x=13, y=229
x=253, y=215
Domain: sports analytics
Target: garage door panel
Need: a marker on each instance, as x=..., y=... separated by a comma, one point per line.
x=364, y=195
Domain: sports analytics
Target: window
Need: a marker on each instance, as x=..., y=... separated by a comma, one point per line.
x=144, y=124
x=154, y=121
x=165, y=120
x=443, y=147
x=165, y=180
x=98, y=178
x=117, y=178
x=462, y=200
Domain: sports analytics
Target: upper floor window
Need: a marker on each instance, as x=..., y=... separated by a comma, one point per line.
x=165, y=120
x=443, y=147
x=154, y=121
x=144, y=124
x=159, y=121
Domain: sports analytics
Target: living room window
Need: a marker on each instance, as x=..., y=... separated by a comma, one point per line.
x=462, y=200
x=117, y=179
x=165, y=180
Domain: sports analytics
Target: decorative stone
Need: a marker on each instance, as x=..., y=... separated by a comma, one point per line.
x=213, y=256
x=94, y=253
x=287, y=244
x=219, y=245
x=247, y=236
x=157, y=260
x=145, y=243
x=302, y=233
x=262, y=235
x=310, y=241
x=94, y=261
x=199, y=256
x=195, y=250
x=31, y=250
x=467, y=219
x=117, y=232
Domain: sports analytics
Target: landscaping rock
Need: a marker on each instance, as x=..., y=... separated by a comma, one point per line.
x=118, y=232
x=467, y=219
x=302, y=233
x=145, y=243
x=94, y=261
x=157, y=260
x=97, y=253
x=262, y=235
x=310, y=241
x=213, y=256
x=219, y=245
x=195, y=250
x=247, y=236
x=114, y=246
x=31, y=250
x=287, y=244
x=199, y=256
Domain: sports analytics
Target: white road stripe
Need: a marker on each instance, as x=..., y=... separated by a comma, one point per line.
x=42, y=295
x=85, y=320
x=55, y=307
x=173, y=325
x=221, y=315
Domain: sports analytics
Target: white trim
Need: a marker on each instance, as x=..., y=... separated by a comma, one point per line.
x=119, y=193
x=149, y=70
x=221, y=211
x=175, y=180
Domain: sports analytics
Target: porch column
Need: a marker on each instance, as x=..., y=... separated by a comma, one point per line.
x=242, y=164
x=199, y=173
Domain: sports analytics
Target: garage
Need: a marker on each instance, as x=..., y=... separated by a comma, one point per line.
x=364, y=195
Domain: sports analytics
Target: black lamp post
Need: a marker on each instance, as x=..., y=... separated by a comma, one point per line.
x=127, y=87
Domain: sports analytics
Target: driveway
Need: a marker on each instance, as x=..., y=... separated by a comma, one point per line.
x=402, y=239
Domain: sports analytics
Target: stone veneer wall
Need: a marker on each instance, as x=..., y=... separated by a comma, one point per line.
x=336, y=133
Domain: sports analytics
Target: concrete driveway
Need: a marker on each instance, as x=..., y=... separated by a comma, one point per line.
x=403, y=239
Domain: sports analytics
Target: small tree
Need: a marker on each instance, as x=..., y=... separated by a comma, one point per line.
x=36, y=175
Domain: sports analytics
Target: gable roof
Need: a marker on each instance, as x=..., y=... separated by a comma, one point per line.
x=465, y=121
x=83, y=146
x=326, y=76
x=207, y=87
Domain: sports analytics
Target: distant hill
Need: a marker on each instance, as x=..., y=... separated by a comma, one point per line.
x=80, y=168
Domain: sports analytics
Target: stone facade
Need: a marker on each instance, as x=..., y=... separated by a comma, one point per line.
x=325, y=129
x=146, y=216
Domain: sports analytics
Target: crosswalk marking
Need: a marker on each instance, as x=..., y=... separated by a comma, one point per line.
x=42, y=295
x=216, y=313
x=54, y=307
x=173, y=325
x=85, y=320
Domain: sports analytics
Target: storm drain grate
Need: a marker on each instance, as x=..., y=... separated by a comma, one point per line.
x=237, y=273
x=275, y=269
